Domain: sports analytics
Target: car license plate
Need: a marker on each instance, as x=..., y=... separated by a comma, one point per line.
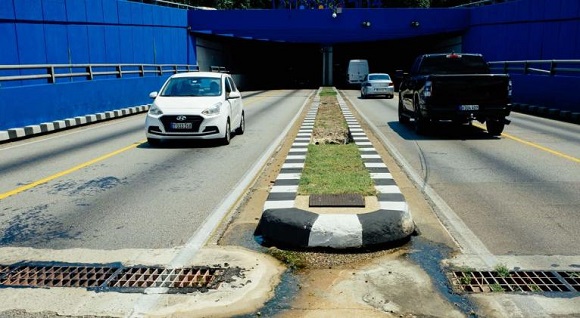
x=469, y=107
x=182, y=125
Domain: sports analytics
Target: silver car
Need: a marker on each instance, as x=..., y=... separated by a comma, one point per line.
x=377, y=84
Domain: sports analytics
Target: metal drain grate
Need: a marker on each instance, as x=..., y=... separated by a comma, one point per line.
x=117, y=277
x=168, y=278
x=56, y=276
x=572, y=278
x=337, y=200
x=514, y=281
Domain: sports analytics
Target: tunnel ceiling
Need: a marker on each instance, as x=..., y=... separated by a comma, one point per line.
x=322, y=27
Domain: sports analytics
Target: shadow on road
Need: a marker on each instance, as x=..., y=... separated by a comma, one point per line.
x=441, y=131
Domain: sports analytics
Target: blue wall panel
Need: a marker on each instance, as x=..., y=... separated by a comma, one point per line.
x=95, y=12
x=97, y=51
x=76, y=10
x=110, y=13
x=28, y=9
x=124, y=11
x=9, y=52
x=136, y=13
x=525, y=90
x=9, y=44
x=56, y=43
x=148, y=41
x=7, y=9
x=126, y=36
x=112, y=44
x=31, y=47
x=54, y=10
x=78, y=44
x=139, y=44
x=45, y=103
x=147, y=14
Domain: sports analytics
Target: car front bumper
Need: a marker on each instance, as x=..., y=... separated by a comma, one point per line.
x=160, y=127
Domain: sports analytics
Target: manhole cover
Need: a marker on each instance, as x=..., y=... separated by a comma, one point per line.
x=515, y=281
x=116, y=276
x=336, y=200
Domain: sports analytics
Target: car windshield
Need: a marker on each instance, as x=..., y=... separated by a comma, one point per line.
x=192, y=86
x=379, y=77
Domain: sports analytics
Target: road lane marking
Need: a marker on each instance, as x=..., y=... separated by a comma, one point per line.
x=554, y=152
x=529, y=143
x=68, y=171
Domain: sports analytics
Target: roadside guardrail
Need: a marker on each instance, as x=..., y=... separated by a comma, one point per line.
x=546, y=67
x=52, y=72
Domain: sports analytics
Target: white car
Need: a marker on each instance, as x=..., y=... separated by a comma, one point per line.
x=195, y=105
x=375, y=84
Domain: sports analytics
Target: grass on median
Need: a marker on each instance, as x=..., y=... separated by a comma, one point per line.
x=333, y=168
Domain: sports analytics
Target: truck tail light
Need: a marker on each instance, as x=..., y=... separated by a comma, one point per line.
x=428, y=89
x=510, y=88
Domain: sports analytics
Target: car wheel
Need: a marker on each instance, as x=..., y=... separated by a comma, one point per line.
x=240, y=130
x=402, y=118
x=153, y=142
x=495, y=126
x=227, y=137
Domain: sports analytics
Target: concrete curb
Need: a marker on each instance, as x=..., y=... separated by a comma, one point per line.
x=546, y=112
x=32, y=130
x=282, y=223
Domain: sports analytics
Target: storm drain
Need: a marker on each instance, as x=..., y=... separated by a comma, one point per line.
x=515, y=281
x=336, y=200
x=115, y=277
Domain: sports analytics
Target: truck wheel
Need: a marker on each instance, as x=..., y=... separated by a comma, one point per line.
x=402, y=118
x=495, y=126
x=421, y=123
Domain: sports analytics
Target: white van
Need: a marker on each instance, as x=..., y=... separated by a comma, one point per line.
x=357, y=70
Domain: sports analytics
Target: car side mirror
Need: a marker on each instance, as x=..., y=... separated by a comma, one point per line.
x=153, y=95
x=233, y=95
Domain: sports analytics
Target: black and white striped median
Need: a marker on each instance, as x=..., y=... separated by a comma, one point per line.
x=282, y=223
x=32, y=130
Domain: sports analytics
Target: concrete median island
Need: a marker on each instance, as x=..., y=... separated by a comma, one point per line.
x=289, y=221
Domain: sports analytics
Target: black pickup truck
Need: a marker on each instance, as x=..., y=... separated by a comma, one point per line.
x=454, y=87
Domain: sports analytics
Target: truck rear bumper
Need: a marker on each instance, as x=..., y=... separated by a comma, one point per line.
x=454, y=113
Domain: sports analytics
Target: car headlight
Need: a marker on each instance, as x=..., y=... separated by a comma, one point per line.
x=154, y=110
x=213, y=110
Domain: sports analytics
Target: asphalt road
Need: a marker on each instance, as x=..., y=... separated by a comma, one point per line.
x=106, y=188
x=516, y=195
x=100, y=194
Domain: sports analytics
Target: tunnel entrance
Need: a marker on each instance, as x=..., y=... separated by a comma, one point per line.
x=266, y=65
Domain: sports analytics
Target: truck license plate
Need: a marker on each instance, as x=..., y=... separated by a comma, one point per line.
x=469, y=107
x=182, y=125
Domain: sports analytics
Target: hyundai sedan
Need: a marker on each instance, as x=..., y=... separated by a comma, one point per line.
x=195, y=105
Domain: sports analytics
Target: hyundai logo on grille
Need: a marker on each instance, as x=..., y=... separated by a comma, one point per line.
x=181, y=118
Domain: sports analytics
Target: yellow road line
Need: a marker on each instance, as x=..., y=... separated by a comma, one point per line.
x=65, y=172
x=529, y=143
